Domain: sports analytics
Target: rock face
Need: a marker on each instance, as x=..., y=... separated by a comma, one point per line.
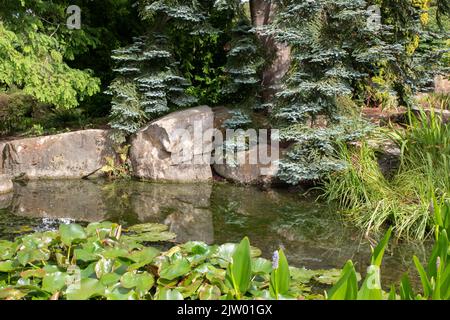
x=249, y=172
x=68, y=155
x=175, y=148
x=6, y=185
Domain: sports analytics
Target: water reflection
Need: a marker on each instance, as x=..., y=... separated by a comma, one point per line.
x=313, y=235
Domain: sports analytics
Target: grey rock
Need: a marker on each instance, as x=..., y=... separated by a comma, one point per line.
x=67, y=155
x=6, y=185
x=248, y=172
x=161, y=151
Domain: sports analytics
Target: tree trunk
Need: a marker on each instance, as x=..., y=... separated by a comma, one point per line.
x=262, y=13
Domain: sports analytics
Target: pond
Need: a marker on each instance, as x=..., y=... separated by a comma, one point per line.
x=312, y=234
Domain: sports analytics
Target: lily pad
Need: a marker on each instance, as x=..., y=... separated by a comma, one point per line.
x=54, y=282
x=169, y=294
x=209, y=292
x=87, y=288
x=71, y=232
x=174, y=270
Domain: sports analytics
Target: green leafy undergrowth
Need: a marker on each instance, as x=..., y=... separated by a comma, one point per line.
x=106, y=261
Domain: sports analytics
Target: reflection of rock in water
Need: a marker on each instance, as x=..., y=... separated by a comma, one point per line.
x=6, y=200
x=80, y=200
x=184, y=207
x=196, y=224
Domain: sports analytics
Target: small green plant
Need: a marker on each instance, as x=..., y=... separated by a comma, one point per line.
x=239, y=271
x=347, y=287
x=118, y=168
x=280, y=277
x=434, y=277
x=36, y=130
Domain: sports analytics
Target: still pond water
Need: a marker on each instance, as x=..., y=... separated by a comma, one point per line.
x=313, y=234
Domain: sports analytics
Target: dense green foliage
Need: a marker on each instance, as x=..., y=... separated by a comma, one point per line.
x=193, y=51
x=372, y=200
x=104, y=261
x=339, y=55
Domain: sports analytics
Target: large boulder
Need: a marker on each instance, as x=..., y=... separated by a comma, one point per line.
x=247, y=171
x=6, y=185
x=176, y=147
x=68, y=155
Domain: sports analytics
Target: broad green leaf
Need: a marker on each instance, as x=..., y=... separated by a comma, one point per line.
x=209, y=292
x=144, y=256
x=371, y=287
x=110, y=279
x=169, y=294
x=261, y=266
x=347, y=287
x=87, y=288
x=240, y=270
x=71, y=232
x=37, y=273
x=178, y=268
x=103, y=266
x=12, y=293
x=141, y=281
x=8, y=266
x=54, y=282
x=119, y=293
x=378, y=252
x=426, y=285
x=406, y=291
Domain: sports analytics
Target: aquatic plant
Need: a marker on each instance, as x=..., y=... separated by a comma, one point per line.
x=106, y=261
x=371, y=200
x=435, y=277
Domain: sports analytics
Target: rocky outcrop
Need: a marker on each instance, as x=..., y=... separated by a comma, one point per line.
x=176, y=147
x=68, y=155
x=6, y=185
x=249, y=171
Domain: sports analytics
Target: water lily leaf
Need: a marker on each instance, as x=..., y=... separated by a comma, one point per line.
x=195, y=247
x=103, y=266
x=226, y=251
x=148, y=227
x=26, y=256
x=71, y=232
x=50, y=268
x=110, y=279
x=149, y=232
x=99, y=228
x=141, y=281
x=174, y=270
x=87, y=288
x=120, y=293
x=169, y=294
x=89, y=271
x=113, y=253
x=12, y=293
x=144, y=256
x=37, y=273
x=150, y=236
x=330, y=276
x=303, y=275
x=7, y=249
x=261, y=266
x=8, y=266
x=209, y=292
x=54, y=282
x=85, y=255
